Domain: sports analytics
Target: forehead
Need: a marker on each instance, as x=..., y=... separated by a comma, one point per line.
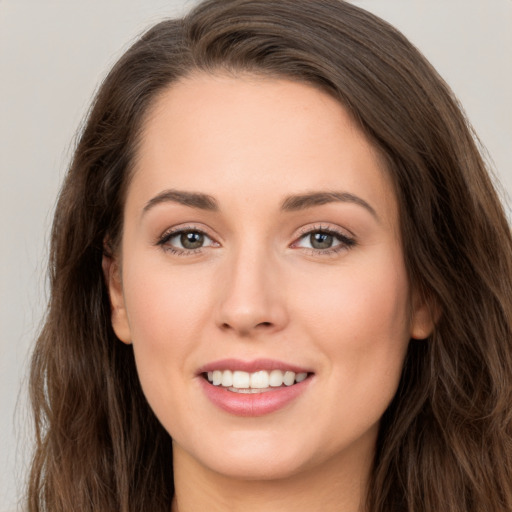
x=256, y=137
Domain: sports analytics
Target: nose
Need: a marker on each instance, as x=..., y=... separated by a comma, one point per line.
x=252, y=295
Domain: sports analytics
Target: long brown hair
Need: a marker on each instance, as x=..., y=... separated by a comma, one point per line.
x=445, y=442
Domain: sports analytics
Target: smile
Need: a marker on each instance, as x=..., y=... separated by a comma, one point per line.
x=256, y=382
x=253, y=388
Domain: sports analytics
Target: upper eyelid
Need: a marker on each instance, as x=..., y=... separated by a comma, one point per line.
x=172, y=231
x=173, y=234
x=329, y=228
x=303, y=231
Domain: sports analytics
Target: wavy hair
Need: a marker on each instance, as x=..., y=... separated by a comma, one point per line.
x=445, y=442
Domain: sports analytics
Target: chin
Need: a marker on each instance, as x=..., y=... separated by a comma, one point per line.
x=260, y=468
x=252, y=459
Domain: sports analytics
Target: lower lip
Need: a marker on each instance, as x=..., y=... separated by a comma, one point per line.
x=253, y=404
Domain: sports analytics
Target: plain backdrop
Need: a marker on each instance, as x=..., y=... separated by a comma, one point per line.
x=53, y=55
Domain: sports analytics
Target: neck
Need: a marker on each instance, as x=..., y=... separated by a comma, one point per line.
x=334, y=485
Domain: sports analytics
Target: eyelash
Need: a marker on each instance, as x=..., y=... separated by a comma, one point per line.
x=345, y=242
x=164, y=239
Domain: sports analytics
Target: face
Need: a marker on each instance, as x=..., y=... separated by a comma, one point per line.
x=261, y=279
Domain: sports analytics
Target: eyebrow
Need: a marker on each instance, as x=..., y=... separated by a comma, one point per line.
x=290, y=204
x=192, y=199
x=308, y=200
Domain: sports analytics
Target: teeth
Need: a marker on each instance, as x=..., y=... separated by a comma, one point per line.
x=300, y=377
x=244, y=382
x=248, y=391
x=289, y=378
x=259, y=380
x=276, y=378
x=227, y=378
x=216, y=378
x=241, y=380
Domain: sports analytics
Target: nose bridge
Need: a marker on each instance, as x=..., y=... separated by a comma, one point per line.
x=251, y=298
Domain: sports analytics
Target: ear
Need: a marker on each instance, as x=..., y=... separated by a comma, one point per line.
x=119, y=318
x=425, y=315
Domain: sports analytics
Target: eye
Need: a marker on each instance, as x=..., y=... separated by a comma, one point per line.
x=321, y=240
x=185, y=240
x=324, y=240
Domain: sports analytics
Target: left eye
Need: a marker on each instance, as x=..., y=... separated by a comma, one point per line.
x=188, y=240
x=322, y=240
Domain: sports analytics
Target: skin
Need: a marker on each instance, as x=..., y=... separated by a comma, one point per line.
x=259, y=289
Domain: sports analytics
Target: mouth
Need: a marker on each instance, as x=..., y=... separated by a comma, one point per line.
x=253, y=388
x=260, y=381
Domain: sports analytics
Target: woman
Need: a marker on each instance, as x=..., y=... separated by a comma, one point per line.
x=280, y=277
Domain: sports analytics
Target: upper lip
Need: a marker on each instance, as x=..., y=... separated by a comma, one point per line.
x=251, y=366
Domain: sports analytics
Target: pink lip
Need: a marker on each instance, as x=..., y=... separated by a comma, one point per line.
x=251, y=366
x=240, y=404
x=251, y=404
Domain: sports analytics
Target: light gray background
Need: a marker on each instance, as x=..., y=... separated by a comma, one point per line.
x=53, y=55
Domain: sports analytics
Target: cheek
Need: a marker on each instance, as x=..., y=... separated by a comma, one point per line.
x=166, y=312
x=163, y=304
x=359, y=320
x=365, y=298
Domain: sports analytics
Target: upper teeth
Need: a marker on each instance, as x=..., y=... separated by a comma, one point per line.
x=257, y=380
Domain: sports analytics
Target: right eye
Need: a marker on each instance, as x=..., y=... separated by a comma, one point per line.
x=185, y=241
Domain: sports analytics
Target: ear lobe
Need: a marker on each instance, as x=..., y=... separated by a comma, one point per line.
x=119, y=317
x=425, y=315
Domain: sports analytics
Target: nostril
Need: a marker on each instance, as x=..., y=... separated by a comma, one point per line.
x=227, y=326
